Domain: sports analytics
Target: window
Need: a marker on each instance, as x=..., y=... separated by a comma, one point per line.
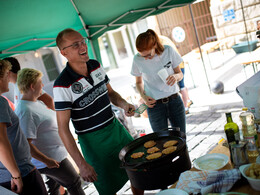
x=50, y=66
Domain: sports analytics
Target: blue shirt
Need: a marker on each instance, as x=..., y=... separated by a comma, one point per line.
x=18, y=141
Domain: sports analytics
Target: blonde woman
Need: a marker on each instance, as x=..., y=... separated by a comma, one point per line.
x=39, y=125
x=46, y=98
x=17, y=173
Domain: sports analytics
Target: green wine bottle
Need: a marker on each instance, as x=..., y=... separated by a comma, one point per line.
x=231, y=130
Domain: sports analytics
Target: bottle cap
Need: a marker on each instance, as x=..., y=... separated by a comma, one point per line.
x=245, y=109
x=228, y=113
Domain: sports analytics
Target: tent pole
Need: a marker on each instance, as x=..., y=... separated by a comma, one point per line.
x=194, y=26
x=84, y=26
x=29, y=40
x=242, y=8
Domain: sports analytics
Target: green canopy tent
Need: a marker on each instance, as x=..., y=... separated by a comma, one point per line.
x=27, y=25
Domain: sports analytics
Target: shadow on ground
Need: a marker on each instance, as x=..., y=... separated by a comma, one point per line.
x=212, y=113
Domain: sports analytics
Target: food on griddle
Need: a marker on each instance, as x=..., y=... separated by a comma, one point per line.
x=149, y=144
x=137, y=155
x=153, y=150
x=170, y=143
x=169, y=150
x=154, y=156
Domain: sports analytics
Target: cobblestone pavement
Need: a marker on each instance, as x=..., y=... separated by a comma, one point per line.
x=205, y=123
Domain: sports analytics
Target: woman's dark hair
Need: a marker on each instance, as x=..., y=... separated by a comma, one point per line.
x=147, y=40
x=15, y=64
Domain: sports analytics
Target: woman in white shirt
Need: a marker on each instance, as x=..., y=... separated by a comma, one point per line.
x=160, y=95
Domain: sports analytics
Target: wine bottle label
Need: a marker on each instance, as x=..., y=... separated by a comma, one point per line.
x=248, y=138
x=230, y=135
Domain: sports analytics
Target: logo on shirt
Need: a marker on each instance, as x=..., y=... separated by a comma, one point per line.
x=99, y=76
x=93, y=95
x=77, y=87
x=167, y=65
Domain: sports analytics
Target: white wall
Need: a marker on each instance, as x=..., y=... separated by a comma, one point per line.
x=29, y=60
x=234, y=31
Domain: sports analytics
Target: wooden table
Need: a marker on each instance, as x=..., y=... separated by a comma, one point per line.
x=253, y=59
x=240, y=186
x=210, y=47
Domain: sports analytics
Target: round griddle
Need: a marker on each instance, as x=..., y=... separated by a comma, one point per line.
x=138, y=146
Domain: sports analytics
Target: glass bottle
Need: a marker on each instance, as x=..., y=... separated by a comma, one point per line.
x=231, y=129
x=257, y=123
x=249, y=134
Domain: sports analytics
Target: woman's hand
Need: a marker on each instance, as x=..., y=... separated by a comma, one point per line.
x=150, y=102
x=17, y=184
x=51, y=163
x=176, y=77
x=171, y=80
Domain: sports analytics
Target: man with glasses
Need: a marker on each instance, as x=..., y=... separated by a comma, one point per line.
x=82, y=92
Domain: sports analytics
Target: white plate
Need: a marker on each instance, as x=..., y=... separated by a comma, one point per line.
x=174, y=191
x=211, y=162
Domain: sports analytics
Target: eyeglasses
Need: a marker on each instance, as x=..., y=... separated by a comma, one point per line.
x=151, y=54
x=77, y=44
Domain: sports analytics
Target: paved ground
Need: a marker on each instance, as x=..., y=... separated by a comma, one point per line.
x=205, y=123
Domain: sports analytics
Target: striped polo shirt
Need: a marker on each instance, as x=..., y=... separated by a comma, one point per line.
x=86, y=97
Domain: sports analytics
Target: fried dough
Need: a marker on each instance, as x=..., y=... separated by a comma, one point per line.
x=153, y=150
x=169, y=150
x=170, y=143
x=137, y=155
x=154, y=156
x=149, y=144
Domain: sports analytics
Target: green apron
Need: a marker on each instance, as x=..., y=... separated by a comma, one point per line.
x=100, y=149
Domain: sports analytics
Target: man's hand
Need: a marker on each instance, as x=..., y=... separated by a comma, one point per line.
x=129, y=109
x=17, y=185
x=88, y=173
